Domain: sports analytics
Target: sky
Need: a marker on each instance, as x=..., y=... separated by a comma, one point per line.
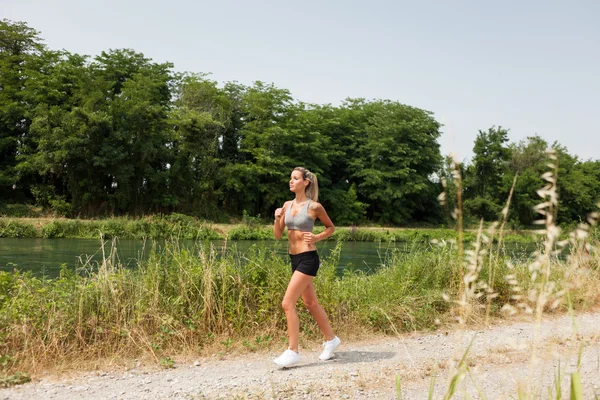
x=531, y=66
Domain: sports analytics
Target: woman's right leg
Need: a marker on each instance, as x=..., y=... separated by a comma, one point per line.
x=296, y=287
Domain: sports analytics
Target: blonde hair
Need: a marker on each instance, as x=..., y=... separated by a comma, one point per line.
x=312, y=190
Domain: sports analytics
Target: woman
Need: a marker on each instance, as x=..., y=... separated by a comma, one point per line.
x=299, y=216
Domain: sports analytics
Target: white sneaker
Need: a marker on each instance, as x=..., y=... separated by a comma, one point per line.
x=287, y=359
x=329, y=348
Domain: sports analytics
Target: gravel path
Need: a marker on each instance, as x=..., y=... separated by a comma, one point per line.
x=499, y=362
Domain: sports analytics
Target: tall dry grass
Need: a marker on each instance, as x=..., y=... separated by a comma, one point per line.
x=547, y=283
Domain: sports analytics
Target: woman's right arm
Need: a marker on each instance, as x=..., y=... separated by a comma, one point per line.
x=279, y=223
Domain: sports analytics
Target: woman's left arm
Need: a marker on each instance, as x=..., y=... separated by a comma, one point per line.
x=326, y=221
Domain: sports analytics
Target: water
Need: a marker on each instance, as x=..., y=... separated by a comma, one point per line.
x=44, y=257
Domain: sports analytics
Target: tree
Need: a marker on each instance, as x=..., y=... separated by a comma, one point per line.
x=343, y=128
x=98, y=135
x=20, y=46
x=120, y=134
x=50, y=151
x=200, y=115
x=274, y=136
x=396, y=154
x=578, y=186
x=140, y=117
x=529, y=158
x=484, y=188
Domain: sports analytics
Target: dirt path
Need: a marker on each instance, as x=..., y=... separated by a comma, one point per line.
x=499, y=361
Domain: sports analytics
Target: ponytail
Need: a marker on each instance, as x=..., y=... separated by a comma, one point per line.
x=312, y=189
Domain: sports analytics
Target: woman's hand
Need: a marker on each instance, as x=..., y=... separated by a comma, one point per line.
x=279, y=212
x=278, y=225
x=310, y=238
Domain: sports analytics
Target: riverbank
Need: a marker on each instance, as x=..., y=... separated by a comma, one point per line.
x=189, y=228
x=189, y=301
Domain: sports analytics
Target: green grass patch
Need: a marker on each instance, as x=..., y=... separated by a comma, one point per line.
x=17, y=229
x=190, y=228
x=153, y=227
x=181, y=299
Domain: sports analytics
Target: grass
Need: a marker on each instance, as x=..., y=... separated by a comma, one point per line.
x=181, y=301
x=152, y=227
x=544, y=284
x=185, y=227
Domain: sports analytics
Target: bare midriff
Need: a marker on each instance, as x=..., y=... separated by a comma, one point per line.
x=297, y=243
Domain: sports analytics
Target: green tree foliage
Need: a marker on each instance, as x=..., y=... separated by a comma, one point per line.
x=200, y=117
x=396, y=152
x=121, y=134
x=578, y=183
x=139, y=112
x=98, y=133
x=261, y=163
x=484, y=188
x=529, y=161
x=50, y=151
x=20, y=49
x=579, y=187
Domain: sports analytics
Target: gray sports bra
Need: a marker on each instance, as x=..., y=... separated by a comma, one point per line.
x=301, y=222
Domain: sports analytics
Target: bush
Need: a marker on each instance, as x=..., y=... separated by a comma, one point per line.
x=251, y=222
x=61, y=207
x=248, y=233
x=16, y=229
x=53, y=230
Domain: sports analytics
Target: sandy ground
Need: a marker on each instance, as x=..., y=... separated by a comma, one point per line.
x=499, y=363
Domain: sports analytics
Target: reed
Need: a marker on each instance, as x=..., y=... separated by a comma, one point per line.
x=545, y=284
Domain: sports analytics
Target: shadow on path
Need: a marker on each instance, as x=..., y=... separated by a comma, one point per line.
x=348, y=357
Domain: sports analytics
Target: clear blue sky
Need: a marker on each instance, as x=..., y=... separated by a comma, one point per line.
x=531, y=66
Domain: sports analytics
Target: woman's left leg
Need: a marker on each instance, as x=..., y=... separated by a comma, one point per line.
x=332, y=342
x=309, y=297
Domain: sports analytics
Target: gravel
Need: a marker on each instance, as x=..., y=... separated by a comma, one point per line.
x=500, y=361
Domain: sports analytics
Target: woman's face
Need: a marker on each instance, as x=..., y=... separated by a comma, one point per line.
x=297, y=183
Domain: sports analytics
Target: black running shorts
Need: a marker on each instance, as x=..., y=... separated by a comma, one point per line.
x=307, y=262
